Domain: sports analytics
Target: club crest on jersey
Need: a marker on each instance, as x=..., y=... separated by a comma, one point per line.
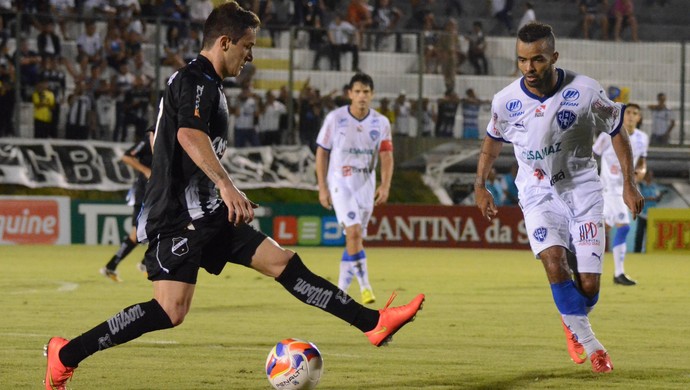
x=179, y=246
x=374, y=134
x=540, y=234
x=351, y=215
x=565, y=119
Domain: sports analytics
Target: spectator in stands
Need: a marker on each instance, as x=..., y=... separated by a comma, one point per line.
x=310, y=115
x=385, y=110
x=89, y=47
x=652, y=195
x=428, y=117
x=430, y=37
x=344, y=98
x=114, y=47
x=141, y=67
x=48, y=42
x=44, y=103
x=386, y=18
x=280, y=16
x=623, y=15
x=359, y=14
x=198, y=12
x=271, y=112
x=29, y=68
x=136, y=109
x=62, y=11
x=453, y=6
x=420, y=9
x=528, y=16
x=121, y=82
x=191, y=44
x=502, y=11
x=663, y=121
x=172, y=49
x=403, y=111
x=447, y=108
x=319, y=43
x=246, y=112
x=477, y=49
x=80, y=114
x=343, y=37
x=178, y=11
x=7, y=100
x=448, y=51
x=471, y=105
x=594, y=11
x=55, y=78
x=105, y=111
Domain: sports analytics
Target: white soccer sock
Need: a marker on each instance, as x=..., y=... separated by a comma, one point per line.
x=619, y=258
x=345, y=277
x=359, y=268
x=582, y=329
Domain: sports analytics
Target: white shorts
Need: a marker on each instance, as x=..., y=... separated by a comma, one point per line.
x=573, y=222
x=352, y=207
x=615, y=210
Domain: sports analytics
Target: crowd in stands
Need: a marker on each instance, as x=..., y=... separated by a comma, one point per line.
x=113, y=73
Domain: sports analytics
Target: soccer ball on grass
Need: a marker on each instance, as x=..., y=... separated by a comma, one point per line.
x=294, y=364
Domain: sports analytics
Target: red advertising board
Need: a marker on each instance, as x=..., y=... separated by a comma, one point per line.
x=34, y=220
x=446, y=226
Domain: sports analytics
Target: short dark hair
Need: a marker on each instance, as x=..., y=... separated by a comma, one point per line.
x=634, y=105
x=228, y=19
x=362, y=78
x=534, y=31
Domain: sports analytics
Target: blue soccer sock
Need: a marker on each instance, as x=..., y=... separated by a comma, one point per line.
x=573, y=308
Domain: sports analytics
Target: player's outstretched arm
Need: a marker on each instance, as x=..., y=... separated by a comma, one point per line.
x=483, y=198
x=322, y=156
x=198, y=146
x=631, y=195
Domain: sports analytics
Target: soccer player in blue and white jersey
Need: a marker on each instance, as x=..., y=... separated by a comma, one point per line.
x=350, y=142
x=615, y=212
x=550, y=115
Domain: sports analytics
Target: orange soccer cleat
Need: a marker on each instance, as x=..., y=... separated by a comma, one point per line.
x=601, y=361
x=391, y=320
x=575, y=349
x=56, y=373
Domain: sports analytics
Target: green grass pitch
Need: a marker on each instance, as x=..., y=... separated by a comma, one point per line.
x=488, y=323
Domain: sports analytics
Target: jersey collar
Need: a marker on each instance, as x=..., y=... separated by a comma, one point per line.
x=208, y=69
x=355, y=118
x=561, y=76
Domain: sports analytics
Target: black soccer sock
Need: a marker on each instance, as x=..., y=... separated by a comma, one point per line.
x=124, y=326
x=317, y=291
x=126, y=247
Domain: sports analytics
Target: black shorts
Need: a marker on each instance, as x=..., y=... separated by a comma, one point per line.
x=209, y=243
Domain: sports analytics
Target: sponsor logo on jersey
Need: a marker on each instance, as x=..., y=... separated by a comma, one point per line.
x=514, y=107
x=540, y=111
x=557, y=177
x=358, y=151
x=541, y=153
x=179, y=246
x=565, y=119
x=197, y=100
x=342, y=121
x=605, y=109
x=570, y=94
x=374, y=134
x=540, y=234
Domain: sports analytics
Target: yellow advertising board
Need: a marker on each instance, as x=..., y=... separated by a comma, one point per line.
x=668, y=230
